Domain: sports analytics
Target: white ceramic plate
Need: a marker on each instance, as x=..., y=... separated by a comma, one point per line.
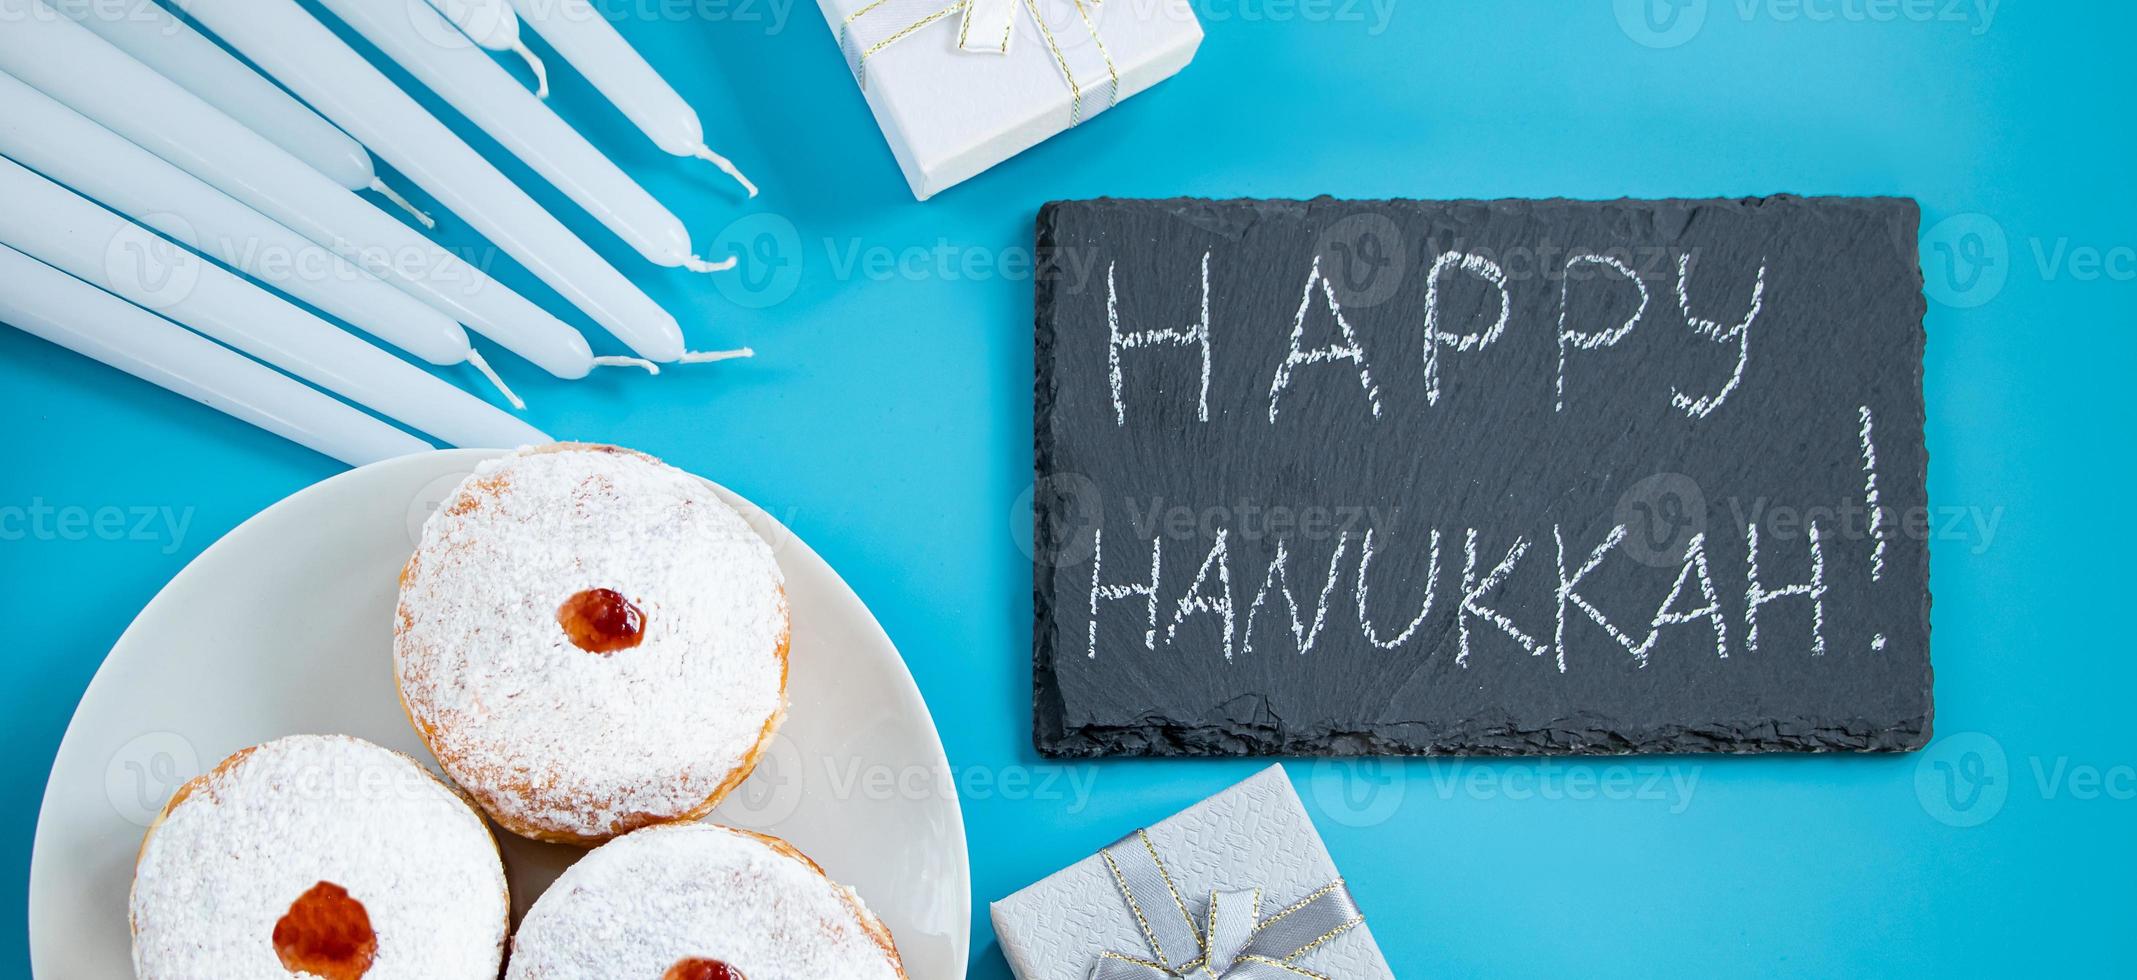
x=284, y=626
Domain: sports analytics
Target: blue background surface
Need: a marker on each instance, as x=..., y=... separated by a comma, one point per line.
x=888, y=422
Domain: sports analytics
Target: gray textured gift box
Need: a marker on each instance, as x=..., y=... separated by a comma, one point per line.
x=1254, y=835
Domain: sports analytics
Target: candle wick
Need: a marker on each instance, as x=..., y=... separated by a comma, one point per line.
x=619, y=361
x=392, y=195
x=727, y=166
x=483, y=365
x=708, y=356
x=696, y=264
x=534, y=62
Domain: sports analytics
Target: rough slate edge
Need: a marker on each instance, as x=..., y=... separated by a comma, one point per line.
x=1053, y=739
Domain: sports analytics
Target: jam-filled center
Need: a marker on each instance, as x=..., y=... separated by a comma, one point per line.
x=326, y=934
x=696, y=968
x=602, y=621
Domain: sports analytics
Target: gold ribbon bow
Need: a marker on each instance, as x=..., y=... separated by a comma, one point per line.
x=985, y=28
x=1235, y=943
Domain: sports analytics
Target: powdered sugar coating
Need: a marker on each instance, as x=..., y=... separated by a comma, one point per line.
x=557, y=742
x=245, y=841
x=644, y=901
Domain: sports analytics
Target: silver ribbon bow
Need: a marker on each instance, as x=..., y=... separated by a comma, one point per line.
x=985, y=27
x=1233, y=943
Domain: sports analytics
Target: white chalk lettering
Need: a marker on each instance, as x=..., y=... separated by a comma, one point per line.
x=1568, y=596
x=1756, y=594
x=1591, y=341
x=1148, y=591
x=1346, y=349
x=1365, y=622
x=1194, y=602
x=1474, y=590
x=1740, y=334
x=1278, y=580
x=1195, y=334
x=1435, y=337
x=1869, y=499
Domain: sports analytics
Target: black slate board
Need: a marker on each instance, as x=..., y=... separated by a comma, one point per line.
x=1653, y=434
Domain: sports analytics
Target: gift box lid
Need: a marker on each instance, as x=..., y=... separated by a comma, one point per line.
x=1254, y=835
x=950, y=112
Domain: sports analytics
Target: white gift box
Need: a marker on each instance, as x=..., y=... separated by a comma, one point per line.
x=958, y=86
x=1254, y=836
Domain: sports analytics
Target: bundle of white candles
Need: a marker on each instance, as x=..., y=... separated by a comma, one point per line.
x=134, y=150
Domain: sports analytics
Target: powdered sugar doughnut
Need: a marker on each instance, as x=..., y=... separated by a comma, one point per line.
x=591, y=642
x=700, y=902
x=319, y=856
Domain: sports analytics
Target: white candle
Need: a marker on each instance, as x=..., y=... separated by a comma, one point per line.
x=48, y=303
x=297, y=50
x=591, y=44
x=183, y=55
x=492, y=24
x=488, y=97
x=72, y=234
x=101, y=82
x=70, y=148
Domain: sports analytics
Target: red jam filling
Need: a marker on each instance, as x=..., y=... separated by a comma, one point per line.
x=602, y=621
x=326, y=934
x=702, y=969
